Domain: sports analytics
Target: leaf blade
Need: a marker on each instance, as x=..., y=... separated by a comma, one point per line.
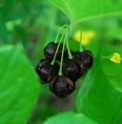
x=18, y=86
x=84, y=10
x=98, y=99
x=68, y=118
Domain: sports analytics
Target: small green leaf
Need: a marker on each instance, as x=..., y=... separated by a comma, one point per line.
x=3, y=31
x=69, y=118
x=19, y=86
x=80, y=10
x=98, y=98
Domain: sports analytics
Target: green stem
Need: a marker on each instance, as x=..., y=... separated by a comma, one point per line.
x=81, y=48
x=67, y=44
x=53, y=61
x=56, y=39
x=72, y=30
x=105, y=57
x=62, y=55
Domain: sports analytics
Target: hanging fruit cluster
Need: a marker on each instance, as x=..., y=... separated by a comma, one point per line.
x=62, y=68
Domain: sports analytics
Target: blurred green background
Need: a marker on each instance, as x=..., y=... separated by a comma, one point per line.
x=33, y=24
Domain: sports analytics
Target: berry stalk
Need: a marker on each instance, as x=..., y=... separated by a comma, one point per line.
x=62, y=55
x=56, y=39
x=81, y=48
x=67, y=44
x=53, y=61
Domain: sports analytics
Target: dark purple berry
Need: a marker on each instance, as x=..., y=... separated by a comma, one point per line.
x=86, y=57
x=71, y=68
x=61, y=86
x=46, y=71
x=50, y=49
x=87, y=52
x=82, y=69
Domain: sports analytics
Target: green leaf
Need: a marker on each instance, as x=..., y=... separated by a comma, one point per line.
x=69, y=118
x=19, y=86
x=3, y=31
x=80, y=10
x=98, y=98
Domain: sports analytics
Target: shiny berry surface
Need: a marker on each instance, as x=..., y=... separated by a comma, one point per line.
x=71, y=68
x=86, y=57
x=45, y=71
x=50, y=49
x=62, y=86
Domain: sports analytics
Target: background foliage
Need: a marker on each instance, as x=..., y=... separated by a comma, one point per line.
x=26, y=26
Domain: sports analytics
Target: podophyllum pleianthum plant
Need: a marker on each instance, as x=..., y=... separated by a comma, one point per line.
x=74, y=54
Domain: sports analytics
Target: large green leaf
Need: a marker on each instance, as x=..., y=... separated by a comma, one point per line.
x=80, y=10
x=98, y=98
x=69, y=118
x=19, y=86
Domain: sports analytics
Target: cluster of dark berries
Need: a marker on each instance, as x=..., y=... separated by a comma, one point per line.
x=72, y=69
